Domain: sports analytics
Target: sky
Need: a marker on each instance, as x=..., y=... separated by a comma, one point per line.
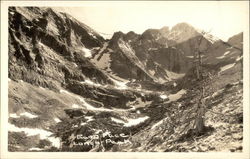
x=222, y=18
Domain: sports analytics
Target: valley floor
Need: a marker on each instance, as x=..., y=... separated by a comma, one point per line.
x=37, y=113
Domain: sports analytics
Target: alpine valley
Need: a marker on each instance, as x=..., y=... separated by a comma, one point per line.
x=70, y=89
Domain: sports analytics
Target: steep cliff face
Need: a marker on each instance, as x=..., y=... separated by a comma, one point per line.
x=48, y=48
x=160, y=55
x=236, y=40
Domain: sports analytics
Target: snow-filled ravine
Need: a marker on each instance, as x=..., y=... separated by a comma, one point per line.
x=130, y=122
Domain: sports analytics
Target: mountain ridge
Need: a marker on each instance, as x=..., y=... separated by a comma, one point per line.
x=66, y=80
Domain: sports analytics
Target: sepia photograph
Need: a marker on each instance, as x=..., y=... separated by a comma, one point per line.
x=165, y=76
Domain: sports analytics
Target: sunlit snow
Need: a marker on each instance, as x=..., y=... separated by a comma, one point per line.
x=89, y=82
x=91, y=34
x=64, y=91
x=175, y=84
x=239, y=58
x=130, y=122
x=224, y=68
x=34, y=131
x=90, y=107
x=87, y=52
x=35, y=149
x=157, y=124
x=227, y=52
x=28, y=115
x=75, y=106
x=89, y=118
x=119, y=84
x=163, y=96
x=178, y=95
x=14, y=115
x=220, y=57
x=57, y=120
x=117, y=120
x=152, y=72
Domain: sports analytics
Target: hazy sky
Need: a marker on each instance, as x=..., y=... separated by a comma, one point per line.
x=223, y=18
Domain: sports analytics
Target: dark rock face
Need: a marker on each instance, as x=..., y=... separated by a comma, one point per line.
x=48, y=48
x=156, y=53
x=236, y=40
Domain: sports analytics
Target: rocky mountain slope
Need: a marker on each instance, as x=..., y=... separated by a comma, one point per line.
x=72, y=90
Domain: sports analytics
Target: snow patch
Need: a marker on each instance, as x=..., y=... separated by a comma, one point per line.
x=90, y=107
x=152, y=72
x=87, y=52
x=239, y=58
x=175, y=84
x=178, y=95
x=89, y=118
x=220, y=57
x=117, y=120
x=9, y=79
x=224, y=68
x=119, y=84
x=153, y=49
x=35, y=149
x=89, y=82
x=28, y=115
x=157, y=124
x=14, y=115
x=215, y=94
x=130, y=122
x=41, y=87
x=82, y=124
x=57, y=120
x=64, y=91
x=163, y=96
x=34, y=131
x=12, y=13
x=226, y=53
x=91, y=34
x=173, y=75
x=75, y=106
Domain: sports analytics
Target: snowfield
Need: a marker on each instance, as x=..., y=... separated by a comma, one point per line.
x=178, y=95
x=25, y=114
x=87, y=52
x=31, y=132
x=130, y=122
